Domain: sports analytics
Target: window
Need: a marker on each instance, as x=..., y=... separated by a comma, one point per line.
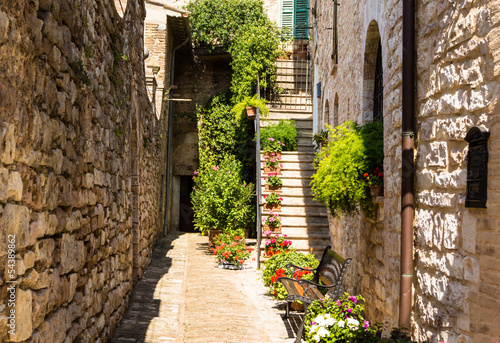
x=335, y=54
x=378, y=90
x=295, y=15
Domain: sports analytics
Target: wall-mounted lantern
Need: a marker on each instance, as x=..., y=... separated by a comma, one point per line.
x=477, y=167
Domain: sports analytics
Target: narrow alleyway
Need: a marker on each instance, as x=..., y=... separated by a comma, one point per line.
x=184, y=297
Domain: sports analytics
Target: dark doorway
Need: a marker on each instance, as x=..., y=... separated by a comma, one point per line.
x=186, y=214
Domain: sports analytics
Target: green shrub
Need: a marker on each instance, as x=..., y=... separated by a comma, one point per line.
x=254, y=52
x=276, y=265
x=215, y=22
x=239, y=109
x=221, y=199
x=284, y=131
x=352, y=150
x=219, y=133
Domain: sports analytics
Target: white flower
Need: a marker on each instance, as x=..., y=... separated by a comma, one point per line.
x=352, y=324
x=314, y=328
x=323, y=332
x=320, y=320
x=329, y=320
x=341, y=324
x=317, y=338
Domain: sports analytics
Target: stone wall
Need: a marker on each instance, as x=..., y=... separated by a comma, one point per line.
x=457, y=251
x=456, y=254
x=346, y=89
x=78, y=174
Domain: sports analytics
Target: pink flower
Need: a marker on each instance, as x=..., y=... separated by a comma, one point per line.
x=280, y=199
x=271, y=160
x=366, y=324
x=271, y=139
x=215, y=168
x=273, y=154
x=264, y=196
x=196, y=172
x=281, y=165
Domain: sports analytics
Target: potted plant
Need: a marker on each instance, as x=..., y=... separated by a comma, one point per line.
x=231, y=250
x=276, y=244
x=338, y=180
x=336, y=321
x=276, y=267
x=273, y=147
x=320, y=138
x=273, y=202
x=248, y=106
x=375, y=180
x=273, y=182
x=221, y=200
x=272, y=164
x=285, y=131
x=272, y=222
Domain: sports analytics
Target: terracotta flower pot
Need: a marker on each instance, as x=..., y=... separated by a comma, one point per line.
x=275, y=189
x=272, y=170
x=273, y=229
x=250, y=111
x=274, y=207
x=376, y=190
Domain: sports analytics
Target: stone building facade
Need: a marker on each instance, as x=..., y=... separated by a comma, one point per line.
x=80, y=153
x=456, y=248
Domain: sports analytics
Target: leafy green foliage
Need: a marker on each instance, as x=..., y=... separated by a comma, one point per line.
x=239, y=109
x=273, y=180
x=254, y=52
x=338, y=181
x=284, y=131
x=279, y=261
x=219, y=132
x=215, y=22
x=336, y=321
x=221, y=199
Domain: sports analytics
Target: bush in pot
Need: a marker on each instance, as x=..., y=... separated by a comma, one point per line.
x=273, y=180
x=239, y=110
x=276, y=267
x=230, y=248
x=285, y=131
x=221, y=199
x=338, y=181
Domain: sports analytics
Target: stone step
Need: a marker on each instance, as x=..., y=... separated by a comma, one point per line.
x=289, y=173
x=301, y=220
x=292, y=64
x=293, y=156
x=300, y=123
x=299, y=210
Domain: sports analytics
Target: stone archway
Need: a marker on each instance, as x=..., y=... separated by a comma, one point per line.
x=369, y=70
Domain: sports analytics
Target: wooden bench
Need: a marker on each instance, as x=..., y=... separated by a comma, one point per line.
x=327, y=276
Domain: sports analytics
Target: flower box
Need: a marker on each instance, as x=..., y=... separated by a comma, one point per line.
x=276, y=170
x=273, y=229
x=376, y=190
x=275, y=189
x=270, y=154
x=274, y=207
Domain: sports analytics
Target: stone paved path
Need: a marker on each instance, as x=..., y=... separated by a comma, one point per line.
x=184, y=297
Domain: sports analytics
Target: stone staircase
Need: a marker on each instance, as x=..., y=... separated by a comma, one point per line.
x=304, y=221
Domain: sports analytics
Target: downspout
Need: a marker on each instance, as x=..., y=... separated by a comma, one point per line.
x=169, y=140
x=408, y=167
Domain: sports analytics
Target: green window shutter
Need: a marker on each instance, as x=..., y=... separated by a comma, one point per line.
x=301, y=18
x=287, y=14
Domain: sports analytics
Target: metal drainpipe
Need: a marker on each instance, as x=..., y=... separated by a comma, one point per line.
x=408, y=167
x=169, y=140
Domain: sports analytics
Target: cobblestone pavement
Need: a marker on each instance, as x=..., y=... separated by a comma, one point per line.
x=184, y=297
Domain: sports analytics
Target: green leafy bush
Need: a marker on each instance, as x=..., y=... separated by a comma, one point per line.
x=273, y=180
x=254, y=52
x=277, y=265
x=221, y=199
x=338, y=181
x=218, y=132
x=239, y=109
x=284, y=131
x=336, y=321
x=272, y=199
x=215, y=22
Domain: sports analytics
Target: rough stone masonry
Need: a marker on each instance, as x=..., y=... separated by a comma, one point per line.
x=79, y=167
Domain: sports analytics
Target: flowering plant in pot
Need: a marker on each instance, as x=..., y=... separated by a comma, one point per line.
x=276, y=244
x=273, y=145
x=230, y=248
x=336, y=321
x=276, y=267
x=273, y=220
x=375, y=181
x=273, y=201
x=273, y=181
x=272, y=161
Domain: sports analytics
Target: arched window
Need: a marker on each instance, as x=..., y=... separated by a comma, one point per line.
x=326, y=115
x=378, y=90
